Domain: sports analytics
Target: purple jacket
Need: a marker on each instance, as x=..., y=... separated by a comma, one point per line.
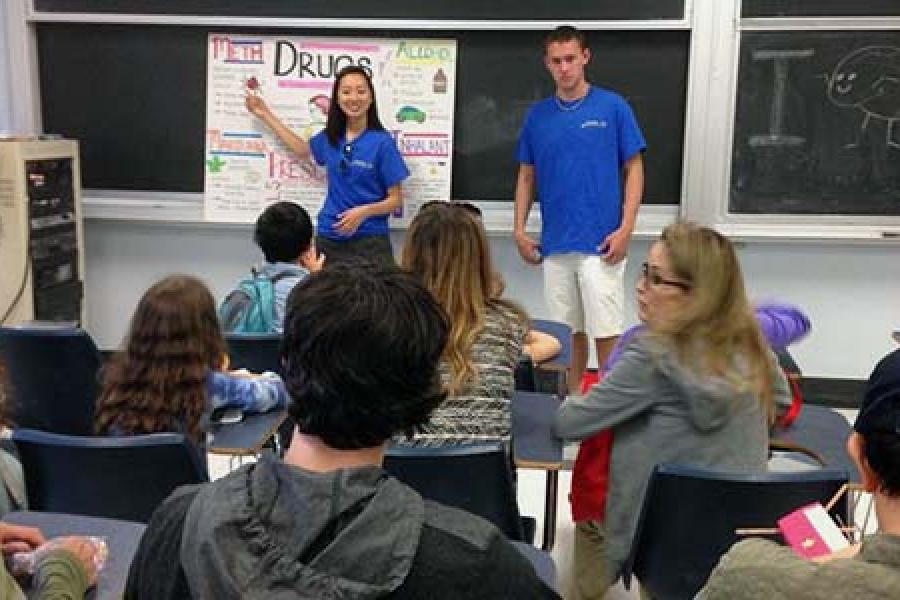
x=781, y=324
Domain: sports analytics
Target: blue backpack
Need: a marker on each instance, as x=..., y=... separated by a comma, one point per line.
x=250, y=307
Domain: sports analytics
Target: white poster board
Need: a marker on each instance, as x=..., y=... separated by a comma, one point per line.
x=248, y=168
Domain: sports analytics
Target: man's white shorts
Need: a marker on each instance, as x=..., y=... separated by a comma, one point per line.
x=586, y=293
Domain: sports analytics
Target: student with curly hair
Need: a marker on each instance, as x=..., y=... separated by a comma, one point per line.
x=447, y=249
x=171, y=372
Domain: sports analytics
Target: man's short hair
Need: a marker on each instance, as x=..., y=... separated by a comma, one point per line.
x=566, y=33
x=283, y=232
x=360, y=351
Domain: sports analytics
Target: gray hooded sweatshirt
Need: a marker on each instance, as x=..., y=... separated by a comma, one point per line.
x=661, y=413
x=276, y=531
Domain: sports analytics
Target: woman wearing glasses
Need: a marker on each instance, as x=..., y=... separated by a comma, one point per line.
x=364, y=169
x=697, y=386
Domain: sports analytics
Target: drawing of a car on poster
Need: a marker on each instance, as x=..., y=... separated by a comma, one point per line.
x=410, y=113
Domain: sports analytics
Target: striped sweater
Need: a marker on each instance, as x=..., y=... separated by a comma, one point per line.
x=481, y=411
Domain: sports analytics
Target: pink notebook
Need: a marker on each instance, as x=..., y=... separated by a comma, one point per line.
x=811, y=532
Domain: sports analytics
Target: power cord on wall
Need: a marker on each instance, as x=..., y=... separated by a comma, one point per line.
x=18, y=296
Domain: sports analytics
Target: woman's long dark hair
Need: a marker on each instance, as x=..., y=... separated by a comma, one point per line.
x=157, y=383
x=336, y=125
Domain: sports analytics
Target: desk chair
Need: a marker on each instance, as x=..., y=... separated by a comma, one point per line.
x=114, y=477
x=690, y=515
x=53, y=376
x=525, y=375
x=474, y=477
x=255, y=352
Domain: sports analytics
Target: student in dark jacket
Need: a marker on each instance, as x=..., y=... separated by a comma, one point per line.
x=361, y=349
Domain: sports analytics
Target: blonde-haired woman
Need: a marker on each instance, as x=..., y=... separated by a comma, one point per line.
x=447, y=249
x=698, y=386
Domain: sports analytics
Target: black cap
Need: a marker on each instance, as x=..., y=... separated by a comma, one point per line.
x=880, y=410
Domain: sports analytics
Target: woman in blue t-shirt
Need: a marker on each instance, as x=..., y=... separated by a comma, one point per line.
x=364, y=168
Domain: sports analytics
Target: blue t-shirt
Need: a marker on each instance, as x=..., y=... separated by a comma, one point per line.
x=358, y=173
x=578, y=150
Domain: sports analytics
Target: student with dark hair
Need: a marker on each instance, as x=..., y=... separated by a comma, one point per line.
x=364, y=168
x=361, y=349
x=284, y=234
x=758, y=568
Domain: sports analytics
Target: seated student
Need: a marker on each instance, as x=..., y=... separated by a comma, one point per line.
x=758, y=568
x=361, y=348
x=284, y=233
x=698, y=386
x=169, y=375
x=781, y=325
x=64, y=568
x=447, y=249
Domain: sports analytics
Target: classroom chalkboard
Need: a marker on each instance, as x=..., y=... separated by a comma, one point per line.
x=817, y=124
x=820, y=8
x=135, y=97
x=384, y=9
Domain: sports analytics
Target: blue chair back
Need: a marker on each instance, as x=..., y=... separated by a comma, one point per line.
x=53, y=378
x=258, y=352
x=114, y=477
x=476, y=478
x=255, y=352
x=690, y=515
x=525, y=375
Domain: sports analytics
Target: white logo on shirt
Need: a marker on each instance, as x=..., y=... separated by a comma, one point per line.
x=358, y=162
x=593, y=123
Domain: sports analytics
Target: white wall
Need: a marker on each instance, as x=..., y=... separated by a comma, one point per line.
x=851, y=292
x=5, y=88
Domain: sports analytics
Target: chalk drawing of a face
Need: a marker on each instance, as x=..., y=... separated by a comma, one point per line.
x=868, y=80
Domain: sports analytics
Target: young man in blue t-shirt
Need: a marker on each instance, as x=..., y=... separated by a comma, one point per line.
x=580, y=148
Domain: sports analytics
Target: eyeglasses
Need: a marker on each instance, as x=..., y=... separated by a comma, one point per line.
x=346, y=155
x=655, y=279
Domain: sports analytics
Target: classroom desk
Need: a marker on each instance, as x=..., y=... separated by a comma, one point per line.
x=541, y=561
x=122, y=538
x=826, y=431
x=535, y=447
x=247, y=437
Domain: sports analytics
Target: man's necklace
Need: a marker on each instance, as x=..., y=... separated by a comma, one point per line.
x=570, y=107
